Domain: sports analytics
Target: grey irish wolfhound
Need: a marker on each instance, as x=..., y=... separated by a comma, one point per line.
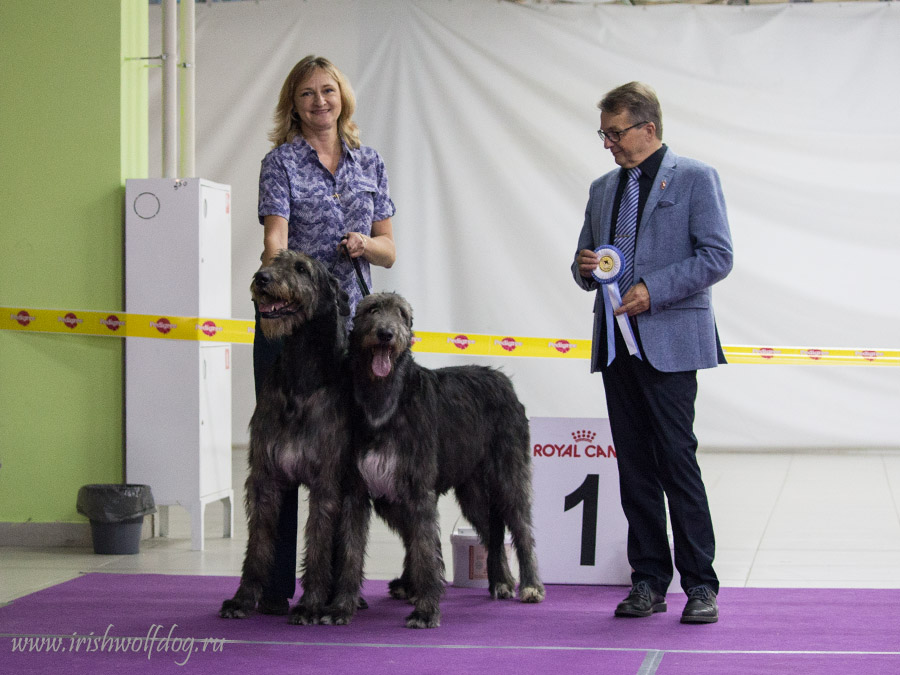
x=300, y=435
x=423, y=432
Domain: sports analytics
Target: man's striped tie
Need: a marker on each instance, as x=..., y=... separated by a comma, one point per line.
x=626, y=228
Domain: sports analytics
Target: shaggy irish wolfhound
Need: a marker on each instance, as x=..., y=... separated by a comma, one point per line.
x=423, y=432
x=300, y=434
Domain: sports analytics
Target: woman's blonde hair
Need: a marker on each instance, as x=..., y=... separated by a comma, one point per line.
x=287, y=122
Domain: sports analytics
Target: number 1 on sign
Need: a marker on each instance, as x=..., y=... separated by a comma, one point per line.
x=587, y=493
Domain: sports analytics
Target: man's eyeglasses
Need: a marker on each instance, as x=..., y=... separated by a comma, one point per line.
x=616, y=136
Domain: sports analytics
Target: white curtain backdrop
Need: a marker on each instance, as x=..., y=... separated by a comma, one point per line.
x=485, y=113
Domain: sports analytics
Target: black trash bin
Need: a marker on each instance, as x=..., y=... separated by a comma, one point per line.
x=117, y=515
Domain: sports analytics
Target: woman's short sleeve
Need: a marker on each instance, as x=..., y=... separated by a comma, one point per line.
x=384, y=207
x=274, y=188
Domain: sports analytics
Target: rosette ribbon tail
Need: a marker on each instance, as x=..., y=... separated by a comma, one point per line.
x=612, y=302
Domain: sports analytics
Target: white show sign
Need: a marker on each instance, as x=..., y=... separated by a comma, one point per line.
x=578, y=521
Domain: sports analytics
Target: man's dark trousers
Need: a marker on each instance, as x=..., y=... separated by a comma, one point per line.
x=651, y=416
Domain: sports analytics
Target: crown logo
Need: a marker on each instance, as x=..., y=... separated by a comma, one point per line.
x=584, y=435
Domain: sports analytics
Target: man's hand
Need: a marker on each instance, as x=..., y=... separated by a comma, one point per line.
x=587, y=262
x=635, y=301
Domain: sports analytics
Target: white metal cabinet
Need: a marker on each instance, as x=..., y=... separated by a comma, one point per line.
x=178, y=392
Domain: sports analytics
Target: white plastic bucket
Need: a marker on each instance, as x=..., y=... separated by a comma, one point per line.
x=470, y=558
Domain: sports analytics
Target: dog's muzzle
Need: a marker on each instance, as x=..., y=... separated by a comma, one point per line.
x=270, y=309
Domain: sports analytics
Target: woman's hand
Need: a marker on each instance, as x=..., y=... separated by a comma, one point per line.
x=378, y=248
x=355, y=243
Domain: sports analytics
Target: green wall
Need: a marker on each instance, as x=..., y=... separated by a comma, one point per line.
x=73, y=126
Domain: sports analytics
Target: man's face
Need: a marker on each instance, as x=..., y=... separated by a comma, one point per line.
x=635, y=145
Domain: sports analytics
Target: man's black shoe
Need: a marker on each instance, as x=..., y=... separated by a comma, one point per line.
x=641, y=601
x=701, y=606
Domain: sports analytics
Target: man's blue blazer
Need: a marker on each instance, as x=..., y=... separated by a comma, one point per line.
x=683, y=247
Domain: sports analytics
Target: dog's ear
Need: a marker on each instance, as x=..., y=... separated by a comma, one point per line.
x=408, y=313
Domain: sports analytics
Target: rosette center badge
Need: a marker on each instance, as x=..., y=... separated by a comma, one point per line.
x=609, y=264
x=606, y=263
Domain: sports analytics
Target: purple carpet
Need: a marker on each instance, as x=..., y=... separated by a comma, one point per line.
x=83, y=626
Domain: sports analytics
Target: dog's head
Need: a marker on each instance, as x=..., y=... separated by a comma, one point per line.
x=382, y=333
x=293, y=289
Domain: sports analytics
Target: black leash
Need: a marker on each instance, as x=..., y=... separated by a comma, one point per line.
x=361, y=282
x=359, y=276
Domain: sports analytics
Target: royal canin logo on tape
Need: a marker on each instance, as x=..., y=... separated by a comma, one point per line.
x=163, y=325
x=562, y=346
x=112, y=322
x=23, y=318
x=583, y=446
x=815, y=354
x=210, y=328
x=414, y=340
x=70, y=320
x=508, y=343
x=461, y=341
x=869, y=354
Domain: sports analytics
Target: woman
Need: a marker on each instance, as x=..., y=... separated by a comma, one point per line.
x=323, y=193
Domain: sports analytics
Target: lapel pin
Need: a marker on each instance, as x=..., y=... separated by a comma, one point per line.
x=662, y=186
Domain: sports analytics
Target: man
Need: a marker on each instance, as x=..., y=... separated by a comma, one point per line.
x=677, y=246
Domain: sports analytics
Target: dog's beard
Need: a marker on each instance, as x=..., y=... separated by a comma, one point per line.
x=274, y=329
x=280, y=325
x=381, y=361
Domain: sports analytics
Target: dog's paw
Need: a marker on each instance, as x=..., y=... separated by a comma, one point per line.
x=503, y=591
x=303, y=616
x=340, y=612
x=533, y=594
x=336, y=617
x=397, y=590
x=420, y=619
x=361, y=603
x=234, y=609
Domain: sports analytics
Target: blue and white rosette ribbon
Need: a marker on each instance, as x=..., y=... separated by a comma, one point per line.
x=609, y=268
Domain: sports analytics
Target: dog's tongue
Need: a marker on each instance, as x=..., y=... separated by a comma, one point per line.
x=381, y=362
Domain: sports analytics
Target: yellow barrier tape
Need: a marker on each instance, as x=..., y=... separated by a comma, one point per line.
x=500, y=345
x=121, y=324
x=812, y=356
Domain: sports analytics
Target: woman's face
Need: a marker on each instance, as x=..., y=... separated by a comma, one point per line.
x=317, y=100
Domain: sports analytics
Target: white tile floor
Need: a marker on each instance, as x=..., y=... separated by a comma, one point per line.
x=829, y=519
